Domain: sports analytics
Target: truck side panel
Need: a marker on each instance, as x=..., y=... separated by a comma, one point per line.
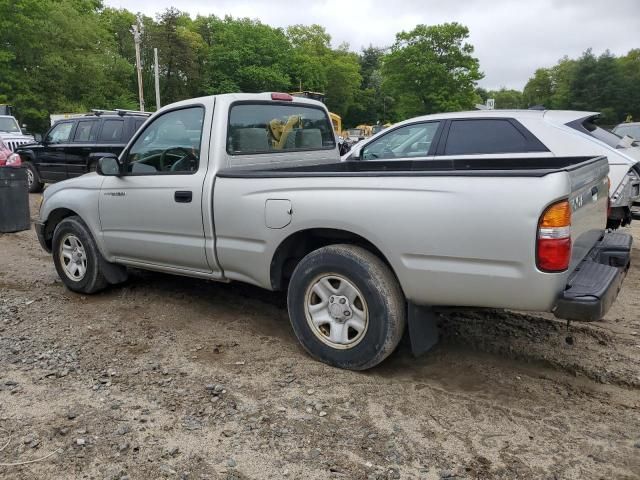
x=450, y=240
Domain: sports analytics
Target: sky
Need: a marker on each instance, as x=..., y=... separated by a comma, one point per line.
x=512, y=38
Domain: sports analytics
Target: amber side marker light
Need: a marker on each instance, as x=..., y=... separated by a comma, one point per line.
x=554, y=238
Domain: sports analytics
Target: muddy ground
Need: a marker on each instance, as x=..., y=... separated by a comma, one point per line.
x=167, y=377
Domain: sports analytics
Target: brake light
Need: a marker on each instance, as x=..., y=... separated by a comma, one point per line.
x=554, y=238
x=282, y=97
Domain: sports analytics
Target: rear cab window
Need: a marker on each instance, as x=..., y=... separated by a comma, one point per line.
x=268, y=128
x=490, y=136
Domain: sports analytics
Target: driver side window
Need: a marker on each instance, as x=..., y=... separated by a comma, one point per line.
x=410, y=141
x=168, y=145
x=60, y=133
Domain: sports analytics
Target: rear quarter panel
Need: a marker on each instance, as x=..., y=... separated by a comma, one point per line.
x=451, y=240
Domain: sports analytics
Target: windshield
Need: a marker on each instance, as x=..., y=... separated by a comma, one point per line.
x=631, y=130
x=9, y=124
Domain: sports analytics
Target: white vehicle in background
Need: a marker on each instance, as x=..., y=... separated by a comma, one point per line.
x=631, y=129
x=506, y=134
x=56, y=117
x=11, y=134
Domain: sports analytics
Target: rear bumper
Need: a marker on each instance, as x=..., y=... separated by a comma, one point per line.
x=594, y=285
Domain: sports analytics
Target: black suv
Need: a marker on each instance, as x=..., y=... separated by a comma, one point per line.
x=72, y=147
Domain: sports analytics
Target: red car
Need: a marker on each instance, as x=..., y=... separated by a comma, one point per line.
x=7, y=157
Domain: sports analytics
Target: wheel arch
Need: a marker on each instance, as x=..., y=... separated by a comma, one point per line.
x=26, y=155
x=297, y=245
x=53, y=220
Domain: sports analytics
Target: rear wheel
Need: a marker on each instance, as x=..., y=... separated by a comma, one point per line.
x=33, y=178
x=346, y=307
x=76, y=257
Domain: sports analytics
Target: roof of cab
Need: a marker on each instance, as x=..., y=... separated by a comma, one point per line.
x=235, y=97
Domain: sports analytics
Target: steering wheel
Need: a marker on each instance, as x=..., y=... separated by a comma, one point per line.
x=384, y=154
x=173, y=168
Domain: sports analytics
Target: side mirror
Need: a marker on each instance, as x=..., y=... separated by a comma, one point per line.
x=37, y=137
x=109, y=167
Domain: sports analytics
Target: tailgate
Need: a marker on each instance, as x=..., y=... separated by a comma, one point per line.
x=589, y=204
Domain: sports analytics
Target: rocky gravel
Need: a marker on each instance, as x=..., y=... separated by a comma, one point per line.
x=167, y=377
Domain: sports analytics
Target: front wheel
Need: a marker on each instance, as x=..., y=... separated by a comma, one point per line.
x=346, y=307
x=76, y=257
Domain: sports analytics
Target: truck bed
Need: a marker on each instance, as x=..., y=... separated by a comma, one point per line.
x=451, y=239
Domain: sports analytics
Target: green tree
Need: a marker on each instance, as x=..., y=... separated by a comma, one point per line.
x=431, y=69
x=316, y=66
x=343, y=80
x=56, y=55
x=246, y=56
x=630, y=65
x=539, y=89
x=506, y=98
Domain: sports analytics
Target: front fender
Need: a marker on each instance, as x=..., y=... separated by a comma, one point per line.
x=77, y=196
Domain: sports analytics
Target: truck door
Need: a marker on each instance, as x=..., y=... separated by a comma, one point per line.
x=52, y=158
x=153, y=214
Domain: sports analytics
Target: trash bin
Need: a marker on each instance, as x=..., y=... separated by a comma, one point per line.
x=14, y=200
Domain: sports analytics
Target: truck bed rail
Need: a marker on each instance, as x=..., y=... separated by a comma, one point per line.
x=489, y=167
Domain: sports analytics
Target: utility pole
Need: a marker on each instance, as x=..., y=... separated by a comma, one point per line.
x=157, y=75
x=137, y=30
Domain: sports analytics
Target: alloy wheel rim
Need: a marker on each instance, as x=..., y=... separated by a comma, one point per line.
x=336, y=311
x=73, y=257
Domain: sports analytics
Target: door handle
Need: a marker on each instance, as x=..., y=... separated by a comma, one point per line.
x=183, y=196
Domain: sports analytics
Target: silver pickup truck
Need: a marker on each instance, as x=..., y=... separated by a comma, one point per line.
x=249, y=187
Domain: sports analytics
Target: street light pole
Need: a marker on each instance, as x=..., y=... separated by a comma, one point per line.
x=137, y=30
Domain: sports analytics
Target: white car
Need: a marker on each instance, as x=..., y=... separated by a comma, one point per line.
x=501, y=134
x=11, y=134
x=631, y=129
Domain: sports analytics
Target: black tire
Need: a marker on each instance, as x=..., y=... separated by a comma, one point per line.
x=93, y=279
x=36, y=185
x=380, y=290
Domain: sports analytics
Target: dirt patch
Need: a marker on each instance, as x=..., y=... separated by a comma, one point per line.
x=167, y=377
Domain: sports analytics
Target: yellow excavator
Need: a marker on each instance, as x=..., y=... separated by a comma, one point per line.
x=336, y=119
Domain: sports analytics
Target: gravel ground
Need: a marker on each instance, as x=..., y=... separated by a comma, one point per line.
x=167, y=377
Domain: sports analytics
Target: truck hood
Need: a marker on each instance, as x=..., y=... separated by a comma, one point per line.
x=89, y=181
x=16, y=136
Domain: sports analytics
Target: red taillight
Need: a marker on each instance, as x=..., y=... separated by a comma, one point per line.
x=554, y=254
x=554, y=238
x=285, y=97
